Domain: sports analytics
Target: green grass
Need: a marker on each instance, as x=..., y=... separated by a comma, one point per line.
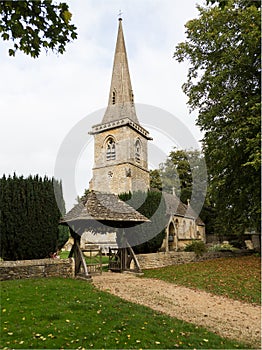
x=237, y=278
x=64, y=255
x=66, y=313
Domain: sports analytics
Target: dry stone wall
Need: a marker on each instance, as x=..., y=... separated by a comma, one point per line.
x=19, y=269
x=162, y=259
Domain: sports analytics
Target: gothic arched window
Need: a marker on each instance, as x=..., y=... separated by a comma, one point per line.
x=110, y=149
x=138, y=151
x=184, y=228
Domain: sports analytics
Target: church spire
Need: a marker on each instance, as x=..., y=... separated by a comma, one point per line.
x=121, y=98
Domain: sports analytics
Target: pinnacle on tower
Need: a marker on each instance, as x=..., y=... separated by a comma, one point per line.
x=121, y=98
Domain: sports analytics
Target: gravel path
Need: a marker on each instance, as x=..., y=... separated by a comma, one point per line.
x=226, y=317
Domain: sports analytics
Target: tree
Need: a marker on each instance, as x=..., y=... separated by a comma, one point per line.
x=184, y=172
x=243, y=3
x=146, y=237
x=63, y=231
x=29, y=217
x=224, y=50
x=155, y=179
x=177, y=175
x=33, y=25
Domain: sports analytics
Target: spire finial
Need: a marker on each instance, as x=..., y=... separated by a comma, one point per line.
x=120, y=15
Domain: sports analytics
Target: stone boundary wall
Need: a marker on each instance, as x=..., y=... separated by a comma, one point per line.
x=162, y=259
x=10, y=270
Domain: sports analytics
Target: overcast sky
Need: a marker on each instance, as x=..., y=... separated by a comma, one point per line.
x=41, y=100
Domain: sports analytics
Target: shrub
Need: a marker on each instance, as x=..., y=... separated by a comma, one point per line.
x=221, y=247
x=198, y=247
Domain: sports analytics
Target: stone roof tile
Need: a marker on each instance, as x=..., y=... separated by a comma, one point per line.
x=175, y=207
x=103, y=207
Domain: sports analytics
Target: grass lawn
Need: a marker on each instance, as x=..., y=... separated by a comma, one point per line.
x=64, y=255
x=67, y=313
x=238, y=278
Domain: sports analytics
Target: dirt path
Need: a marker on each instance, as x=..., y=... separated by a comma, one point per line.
x=226, y=317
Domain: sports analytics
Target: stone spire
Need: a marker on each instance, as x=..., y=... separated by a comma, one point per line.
x=121, y=98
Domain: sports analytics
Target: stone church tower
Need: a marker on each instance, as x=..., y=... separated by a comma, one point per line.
x=120, y=159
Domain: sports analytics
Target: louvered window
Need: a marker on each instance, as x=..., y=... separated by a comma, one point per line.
x=138, y=151
x=110, y=149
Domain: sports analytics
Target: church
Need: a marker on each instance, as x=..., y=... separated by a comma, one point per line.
x=121, y=160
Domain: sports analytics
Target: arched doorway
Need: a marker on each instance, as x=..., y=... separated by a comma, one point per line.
x=172, y=237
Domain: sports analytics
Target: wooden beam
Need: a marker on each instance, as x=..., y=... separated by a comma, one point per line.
x=133, y=256
x=81, y=258
x=77, y=253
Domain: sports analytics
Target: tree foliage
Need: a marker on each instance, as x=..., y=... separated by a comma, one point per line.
x=242, y=3
x=176, y=173
x=63, y=231
x=184, y=172
x=29, y=217
x=224, y=50
x=152, y=206
x=155, y=179
x=33, y=25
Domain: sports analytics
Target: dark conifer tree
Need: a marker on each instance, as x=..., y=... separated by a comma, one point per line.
x=29, y=217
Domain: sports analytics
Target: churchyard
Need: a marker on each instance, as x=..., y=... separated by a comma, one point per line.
x=236, y=278
x=69, y=313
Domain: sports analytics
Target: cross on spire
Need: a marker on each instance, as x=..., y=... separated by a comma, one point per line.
x=120, y=15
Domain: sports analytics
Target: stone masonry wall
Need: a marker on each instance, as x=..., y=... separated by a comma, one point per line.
x=124, y=173
x=19, y=269
x=162, y=259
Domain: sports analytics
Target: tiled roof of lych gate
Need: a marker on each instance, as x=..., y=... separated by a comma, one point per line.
x=103, y=207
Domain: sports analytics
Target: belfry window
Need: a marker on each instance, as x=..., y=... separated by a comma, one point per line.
x=138, y=151
x=114, y=97
x=110, y=149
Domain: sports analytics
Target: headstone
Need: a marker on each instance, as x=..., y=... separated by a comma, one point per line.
x=249, y=244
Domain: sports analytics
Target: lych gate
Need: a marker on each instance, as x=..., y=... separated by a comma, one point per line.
x=88, y=260
x=123, y=259
x=100, y=212
x=93, y=258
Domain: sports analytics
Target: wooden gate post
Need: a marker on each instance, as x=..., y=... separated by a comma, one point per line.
x=77, y=253
x=127, y=255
